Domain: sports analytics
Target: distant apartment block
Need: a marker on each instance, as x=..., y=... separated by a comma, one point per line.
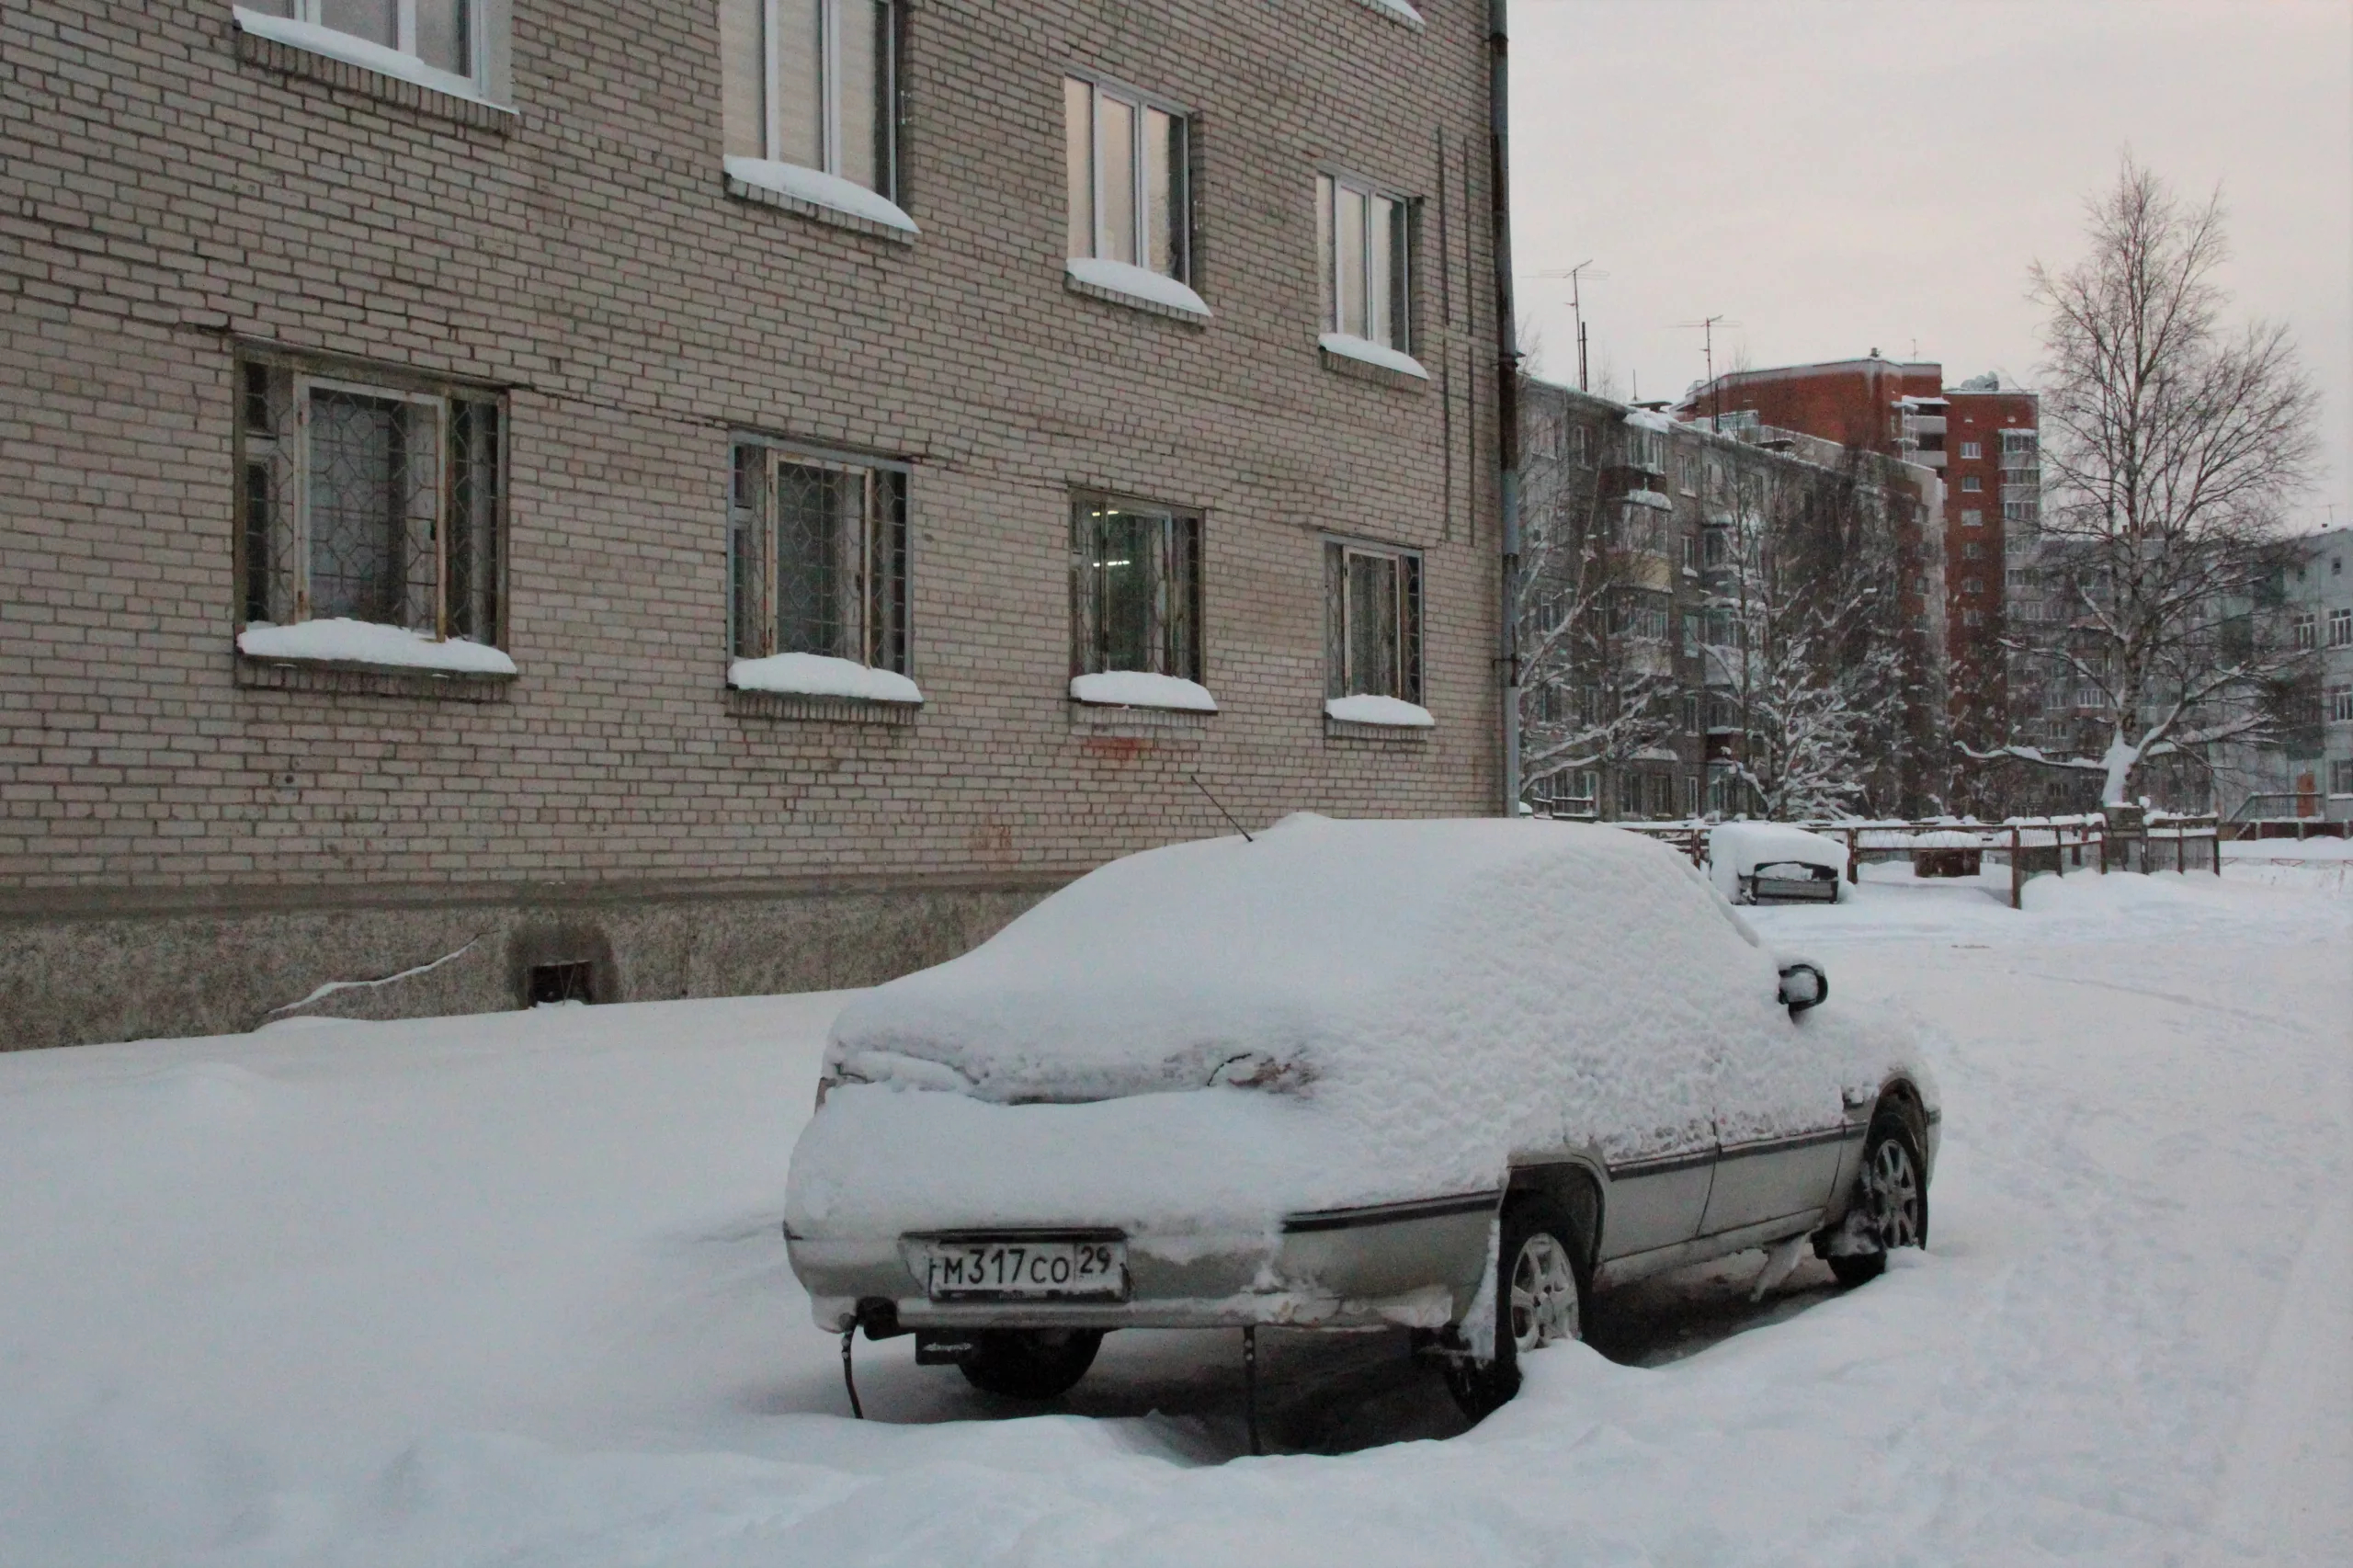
x=1980, y=436
x=1673, y=514
x=505, y=501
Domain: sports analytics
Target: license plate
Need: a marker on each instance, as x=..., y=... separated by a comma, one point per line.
x=1022, y=1267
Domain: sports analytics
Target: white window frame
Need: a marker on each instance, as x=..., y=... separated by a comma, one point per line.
x=1398, y=332
x=1411, y=676
x=484, y=80
x=829, y=76
x=2340, y=628
x=1970, y=451
x=1180, y=173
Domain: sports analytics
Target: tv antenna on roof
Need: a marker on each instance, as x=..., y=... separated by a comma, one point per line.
x=1708, y=347
x=1576, y=306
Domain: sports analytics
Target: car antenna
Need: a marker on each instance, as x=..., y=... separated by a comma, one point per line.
x=1220, y=808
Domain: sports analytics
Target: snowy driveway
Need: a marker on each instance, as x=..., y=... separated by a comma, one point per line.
x=509, y=1290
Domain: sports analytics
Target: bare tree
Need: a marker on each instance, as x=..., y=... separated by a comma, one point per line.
x=2171, y=446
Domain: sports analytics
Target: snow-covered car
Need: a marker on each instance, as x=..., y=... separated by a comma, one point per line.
x=1453, y=1076
x=1765, y=862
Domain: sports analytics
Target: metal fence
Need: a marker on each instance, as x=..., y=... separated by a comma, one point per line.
x=2118, y=840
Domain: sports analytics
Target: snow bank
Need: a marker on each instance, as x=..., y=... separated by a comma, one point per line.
x=1349, y=346
x=1136, y=282
x=1736, y=850
x=820, y=189
x=1365, y=708
x=1138, y=688
x=819, y=674
x=1435, y=993
x=370, y=642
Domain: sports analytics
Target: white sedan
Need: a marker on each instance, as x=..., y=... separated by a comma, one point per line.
x=1453, y=1076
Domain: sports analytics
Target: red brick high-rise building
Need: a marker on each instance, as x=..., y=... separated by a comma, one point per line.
x=1981, y=437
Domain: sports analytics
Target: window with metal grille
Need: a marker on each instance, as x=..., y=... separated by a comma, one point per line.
x=1126, y=161
x=814, y=84
x=1135, y=589
x=1372, y=621
x=366, y=494
x=817, y=547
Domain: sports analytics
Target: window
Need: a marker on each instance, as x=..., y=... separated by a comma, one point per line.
x=1135, y=589
x=817, y=556
x=1691, y=552
x=1971, y=550
x=1972, y=518
x=1687, y=473
x=1690, y=705
x=1364, y=239
x=1126, y=162
x=1691, y=795
x=2340, y=704
x=2340, y=777
x=1972, y=617
x=369, y=495
x=1971, y=450
x=1372, y=621
x=2340, y=628
x=445, y=41
x=1647, y=450
x=813, y=84
x=2020, y=511
x=1580, y=451
x=2307, y=631
x=1971, y=483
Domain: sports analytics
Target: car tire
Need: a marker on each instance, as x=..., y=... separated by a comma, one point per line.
x=1540, y=1290
x=1031, y=1363
x=1891, y=1190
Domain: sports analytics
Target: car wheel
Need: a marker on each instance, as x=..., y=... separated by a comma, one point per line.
x=1540, y=1298
x=1893, y=1194
x=1031, y=1363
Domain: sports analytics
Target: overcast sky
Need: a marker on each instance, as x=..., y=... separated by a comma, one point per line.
x=1836, y=175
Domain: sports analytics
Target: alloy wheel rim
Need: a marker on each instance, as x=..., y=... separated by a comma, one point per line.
x=1895, y=1195
x=1544, y=1293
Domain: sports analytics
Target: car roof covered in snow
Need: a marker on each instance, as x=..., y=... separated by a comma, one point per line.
x=1325, y=949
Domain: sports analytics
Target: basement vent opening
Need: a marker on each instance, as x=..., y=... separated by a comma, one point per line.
x=552, y=983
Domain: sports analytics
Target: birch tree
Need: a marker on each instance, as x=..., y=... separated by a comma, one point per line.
x=2171, y=446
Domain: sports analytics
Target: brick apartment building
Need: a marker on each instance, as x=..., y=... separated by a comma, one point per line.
x=1980, y=435
x=508, y=500
x=1674, y=512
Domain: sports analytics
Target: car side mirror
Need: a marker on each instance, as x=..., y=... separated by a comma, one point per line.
x=1803, y=986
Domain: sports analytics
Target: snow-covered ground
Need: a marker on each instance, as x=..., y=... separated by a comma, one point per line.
x=510, y=1289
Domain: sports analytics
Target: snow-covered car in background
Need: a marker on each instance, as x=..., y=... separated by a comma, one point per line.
x=1453, y=1075
x=1765, y=862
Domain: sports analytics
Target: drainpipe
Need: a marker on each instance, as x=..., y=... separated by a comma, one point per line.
x=1507, y=389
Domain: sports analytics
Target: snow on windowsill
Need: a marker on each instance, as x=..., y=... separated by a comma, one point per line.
x=817, y=675
x=1136, y=283
x=1649, y=498
x=361, y=52
x=1397, y=10
x=820, y=189
x=1388, y=711
x=1349, y=346
x=367, y=643
x=1135, y=688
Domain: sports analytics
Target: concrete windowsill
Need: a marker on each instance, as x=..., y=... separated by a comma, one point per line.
x=804, y=708
x=336, y=677
x=291, y=50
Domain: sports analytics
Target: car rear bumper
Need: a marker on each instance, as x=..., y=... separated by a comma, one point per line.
x=1413, y=1264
